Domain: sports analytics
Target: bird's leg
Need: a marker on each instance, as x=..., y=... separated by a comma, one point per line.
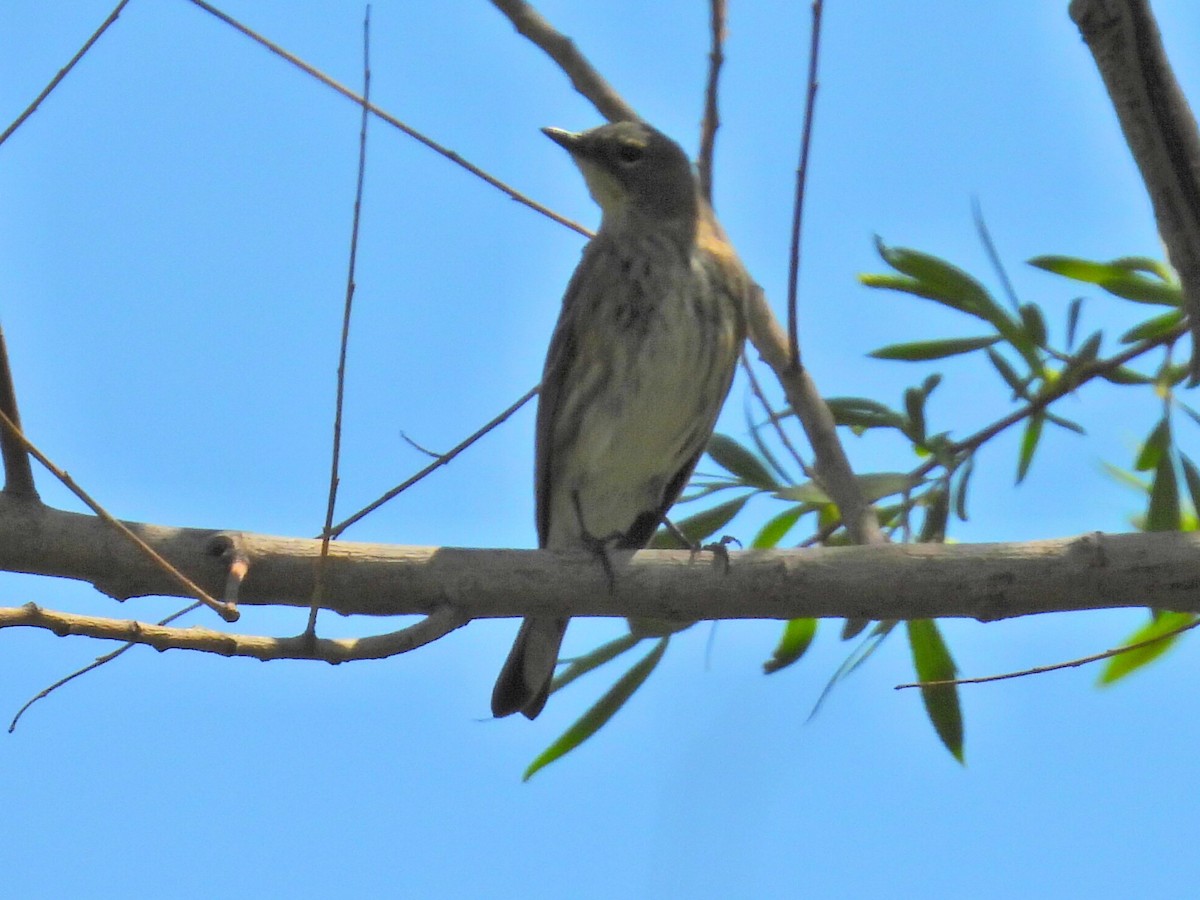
x=597, y=545
x=719, y=549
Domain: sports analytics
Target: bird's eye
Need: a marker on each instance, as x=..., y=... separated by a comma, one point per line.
x=629, y=153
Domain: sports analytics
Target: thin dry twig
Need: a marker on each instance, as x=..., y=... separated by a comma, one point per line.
x=62, y=73
x=712, y=118
x=336, y=455
x=95, y=664
x=560, y=48
x=774, y=418
x=437, y=463
x=226, y=611
x=437, y=624
x=1054, y=667
x=18, y=473
x=433, y=145
x=801, y=180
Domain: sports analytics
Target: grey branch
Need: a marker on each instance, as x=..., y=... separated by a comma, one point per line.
x=1159, y=127
x=891, y=581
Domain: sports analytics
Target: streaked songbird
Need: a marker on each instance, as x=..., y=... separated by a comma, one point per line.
x=650, y=331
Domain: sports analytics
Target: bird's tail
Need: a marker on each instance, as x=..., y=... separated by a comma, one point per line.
x=524, y=682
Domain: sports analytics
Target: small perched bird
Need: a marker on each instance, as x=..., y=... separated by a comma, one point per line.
x=651, y=328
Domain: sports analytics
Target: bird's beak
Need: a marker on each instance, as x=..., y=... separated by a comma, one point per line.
x=568, y=140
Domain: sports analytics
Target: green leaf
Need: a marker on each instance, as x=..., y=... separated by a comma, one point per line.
x=914, y=405
x=1034, y=323
x=1064, y=423
x=859, y=412
x=1146, y=264
x=581, y=665
x=592, y=720
x=1029, y=442
x=919, y=351
x=875, y=486
x=736, y=459
x=1154, y=446
x=1155, y=328
x=1087, y=352
x=1127, y=478
x=1164, y=512
x=773, y=532
x=703, y=524
x=1008, y=373
x=1125, y=375
x=1191, y=475
x=960, y=493
x=1073, y=311
x=796, y=639
x=1120, y=277
x=933, y=662
x=940, y=281
x=857, y=657
x=1131, y=660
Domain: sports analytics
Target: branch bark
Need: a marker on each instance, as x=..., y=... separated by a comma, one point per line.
x=1159, y=128
x=893, y=581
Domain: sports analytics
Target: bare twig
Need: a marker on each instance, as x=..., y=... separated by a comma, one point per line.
x=1054, y=667
x=335, y=456
x=18, y=473
x=712, y=118
x=1159, y=128
x=774, y=418
x=226, y=611
x=563, y=51
x=436, y=464
x=62, y=73
x=95, y=664
x=392, y=120
x=437, y=624
x=801, y=180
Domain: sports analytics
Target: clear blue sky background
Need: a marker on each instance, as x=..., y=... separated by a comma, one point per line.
x=172, y=258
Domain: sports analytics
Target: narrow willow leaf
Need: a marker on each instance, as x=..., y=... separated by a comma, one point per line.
x=960, y=493
x=937, y=513
x=1065, y=423
x=773, y=532
x=1125, y=375
x=1164, y=512
x=857, y=657
x=1131, y=660
x=734, y=458
x=1073, y=311
x=914, y=406
x=1088, y=351
x=930, y=384
x=581, y=665
x=796, y=638
x=859, y=412
x=1143, y=290
x=1146, y=264
x=1120, y=277
x=920, y=351
x=700, y=526
x=763, y=450
x=1155, y=445
x=1191, y=475
x=942, y=281
x=1008, y=373
x=1153, y=329
x=1127, y=478
x=1029, y=442
x=1191, y=413
x=593, y=720
x=1034, y=323
x=933, y=662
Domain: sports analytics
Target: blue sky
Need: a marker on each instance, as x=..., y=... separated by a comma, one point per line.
x=173, y=232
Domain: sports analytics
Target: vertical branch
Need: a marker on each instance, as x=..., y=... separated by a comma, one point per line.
x=712, y=119
x=1159, y=128
x=318, y=587
x=801, y=180
x=18, y=473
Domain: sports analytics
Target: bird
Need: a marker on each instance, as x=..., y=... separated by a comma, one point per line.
x=641, y=359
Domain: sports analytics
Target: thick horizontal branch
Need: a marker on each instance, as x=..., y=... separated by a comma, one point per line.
x=894, y=581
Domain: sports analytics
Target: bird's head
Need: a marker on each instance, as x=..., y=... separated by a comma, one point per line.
x=632, y=169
